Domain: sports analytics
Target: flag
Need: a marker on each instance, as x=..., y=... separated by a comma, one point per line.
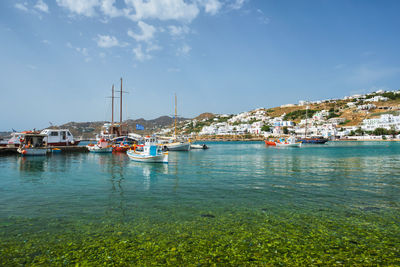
x=139, y=127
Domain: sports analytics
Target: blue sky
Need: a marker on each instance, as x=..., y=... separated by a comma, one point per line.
x=60, y=58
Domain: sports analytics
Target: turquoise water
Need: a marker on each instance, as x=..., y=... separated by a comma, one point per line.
x=236, y=203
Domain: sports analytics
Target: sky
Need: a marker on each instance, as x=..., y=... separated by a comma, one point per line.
x=60, y=58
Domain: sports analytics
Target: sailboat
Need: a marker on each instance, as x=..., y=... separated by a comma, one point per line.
x=177, y=145
x=311, y=140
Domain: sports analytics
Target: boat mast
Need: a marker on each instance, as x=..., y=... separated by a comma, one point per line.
x=120, y=111
x=305, y=132
x=175, y=115
x=112, y=107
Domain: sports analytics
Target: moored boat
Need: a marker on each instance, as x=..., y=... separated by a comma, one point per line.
x=102, y=146
x=177, y=146
x=59, y=137
x=197, y=146
x=32, y=144
x=312, y=140
x=152, y=152
x=288, y=142
x=270, y=143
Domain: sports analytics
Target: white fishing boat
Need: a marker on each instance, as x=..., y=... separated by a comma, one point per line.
x=198, y=146
x=31, y=144
x=177, y=146
x=152, y=152
x=288, y=142
x=59, y=137
x=13, y=141
x=102, y=146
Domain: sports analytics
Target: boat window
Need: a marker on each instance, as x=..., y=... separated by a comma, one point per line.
x=69, y=134
x=54, y=133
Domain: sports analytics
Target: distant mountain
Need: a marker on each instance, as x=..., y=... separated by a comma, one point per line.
x=90, y=129
x=205, y=115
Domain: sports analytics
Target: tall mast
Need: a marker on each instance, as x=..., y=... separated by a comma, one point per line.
x=120, y=107
x=112, y=107
x=305, y=131
x=175, y=115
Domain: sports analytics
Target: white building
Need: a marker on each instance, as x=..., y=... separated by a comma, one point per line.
x=387, y=121
x=376, y=99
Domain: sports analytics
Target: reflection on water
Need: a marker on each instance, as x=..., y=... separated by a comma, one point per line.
x=338, y=175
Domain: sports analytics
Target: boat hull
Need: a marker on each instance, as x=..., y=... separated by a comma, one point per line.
x=97, y=149
x=313, y=141
x=203, y=146
x=32, y=151
x=75, y=143
x=270, y=143
x=289, y=144
x=177, y=146
x=140, y=157
x=120, y=149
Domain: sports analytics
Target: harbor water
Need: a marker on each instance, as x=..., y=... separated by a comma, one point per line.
x=237, y=203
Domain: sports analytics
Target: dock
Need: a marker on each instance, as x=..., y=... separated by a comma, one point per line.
x=64, y=149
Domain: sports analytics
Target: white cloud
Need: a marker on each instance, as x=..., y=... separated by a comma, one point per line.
x=42, y=6
x=237, y=4
x=147, y=32
x=139, y=54
x=83, y=51
x=184, y=50
x=47, y=42
x=21, y=6
x=102, y=54
x=107, y=41
x=32, y=67
x=108, y=8
x=178, y=30
x=153, y=47
x=211, y=6
x=262, y=18
x=80, y=7
x=162, y=10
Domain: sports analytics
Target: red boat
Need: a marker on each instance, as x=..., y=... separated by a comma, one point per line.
x=270, y=143
x=122, y=148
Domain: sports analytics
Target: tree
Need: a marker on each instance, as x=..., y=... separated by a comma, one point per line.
x=266, y=128
x=285, y=130
x=380, y=131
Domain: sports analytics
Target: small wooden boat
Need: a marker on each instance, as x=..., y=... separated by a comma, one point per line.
x=270, y=143
x=152, y=152
x=313, y=140
x=123, y=144
x=197, y=146
x=101, y=147
x=31, y=144
x=289, y=142
x=177, y=146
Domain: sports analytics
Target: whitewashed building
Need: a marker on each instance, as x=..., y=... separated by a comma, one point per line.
x=387, y=121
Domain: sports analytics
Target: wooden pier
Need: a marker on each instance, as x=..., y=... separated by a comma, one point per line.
x=64, y=149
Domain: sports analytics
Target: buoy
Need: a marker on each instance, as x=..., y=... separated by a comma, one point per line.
x=23, y=152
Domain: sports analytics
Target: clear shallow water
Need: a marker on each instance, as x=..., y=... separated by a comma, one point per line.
x=234, y=203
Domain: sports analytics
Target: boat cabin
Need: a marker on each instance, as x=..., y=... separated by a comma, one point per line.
x=151, y=147
x=58, y=137
x=32, y=140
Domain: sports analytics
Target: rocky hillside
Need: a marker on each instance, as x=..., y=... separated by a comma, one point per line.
x=90, y=129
